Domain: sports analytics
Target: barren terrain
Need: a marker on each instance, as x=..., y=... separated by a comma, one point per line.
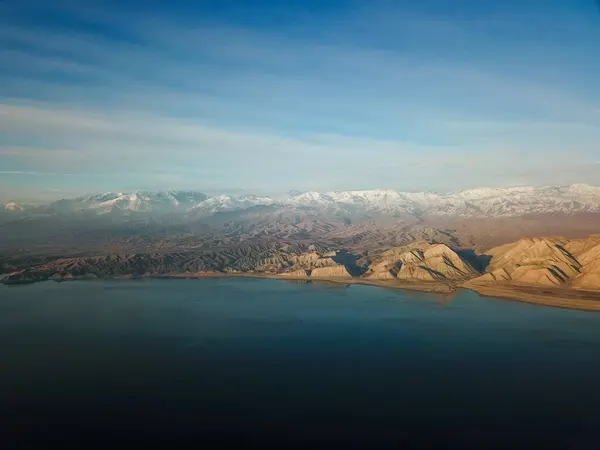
x=544, y=257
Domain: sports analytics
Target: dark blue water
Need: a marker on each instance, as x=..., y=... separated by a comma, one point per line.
x=185, y=363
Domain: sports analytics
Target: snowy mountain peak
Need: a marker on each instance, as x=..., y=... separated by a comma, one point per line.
x=481, y=202
x=223, y=203
x=138, y=201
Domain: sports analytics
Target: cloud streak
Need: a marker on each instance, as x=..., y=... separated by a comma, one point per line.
x=428, y=103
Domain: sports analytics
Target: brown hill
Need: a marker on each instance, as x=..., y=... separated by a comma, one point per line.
x=589, y=276
x=286, y=260
x=421, y=261
x=335, y=271
x=544, y=270
x=558, y=262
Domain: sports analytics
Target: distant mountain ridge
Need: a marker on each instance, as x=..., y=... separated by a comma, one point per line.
x=539, y=244
x=138, y=201
x=480, y=202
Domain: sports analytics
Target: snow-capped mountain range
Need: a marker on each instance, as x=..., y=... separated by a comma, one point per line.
x=481, y=202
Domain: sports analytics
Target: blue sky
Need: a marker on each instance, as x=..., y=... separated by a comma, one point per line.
x=266, y=96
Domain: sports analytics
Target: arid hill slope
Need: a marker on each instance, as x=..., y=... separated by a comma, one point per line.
x=421, y=261
x=552, y=271
x=551, y=262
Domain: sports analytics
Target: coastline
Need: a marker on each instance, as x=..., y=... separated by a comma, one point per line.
x=421, y=286
x=425, y=286
x=538, y=295
x=553, y=296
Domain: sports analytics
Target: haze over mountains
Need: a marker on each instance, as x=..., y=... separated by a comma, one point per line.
x=482, y=202
x=504, y=242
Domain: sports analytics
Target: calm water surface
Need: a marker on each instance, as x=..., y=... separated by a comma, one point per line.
x=180, y=363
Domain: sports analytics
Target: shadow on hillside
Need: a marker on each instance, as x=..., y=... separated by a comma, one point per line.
x=350, y=261
x=478, y=262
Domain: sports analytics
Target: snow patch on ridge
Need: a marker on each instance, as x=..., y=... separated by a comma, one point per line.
x=480, y=202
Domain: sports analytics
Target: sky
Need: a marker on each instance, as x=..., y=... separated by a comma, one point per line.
x=266, y=96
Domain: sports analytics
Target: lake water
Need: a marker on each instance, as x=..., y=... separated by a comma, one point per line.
x=182, y=363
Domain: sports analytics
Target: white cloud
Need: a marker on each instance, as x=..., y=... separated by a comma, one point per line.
x=101, y=141
x=227, y=107
x=156, y=151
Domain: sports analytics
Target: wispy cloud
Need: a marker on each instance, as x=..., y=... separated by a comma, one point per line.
x=416, y=102
x=136, y=142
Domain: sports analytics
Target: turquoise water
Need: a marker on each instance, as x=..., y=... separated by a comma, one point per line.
x=182, y=362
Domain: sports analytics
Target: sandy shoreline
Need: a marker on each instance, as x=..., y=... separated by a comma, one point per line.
x=557, y=297
x=433, y=287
